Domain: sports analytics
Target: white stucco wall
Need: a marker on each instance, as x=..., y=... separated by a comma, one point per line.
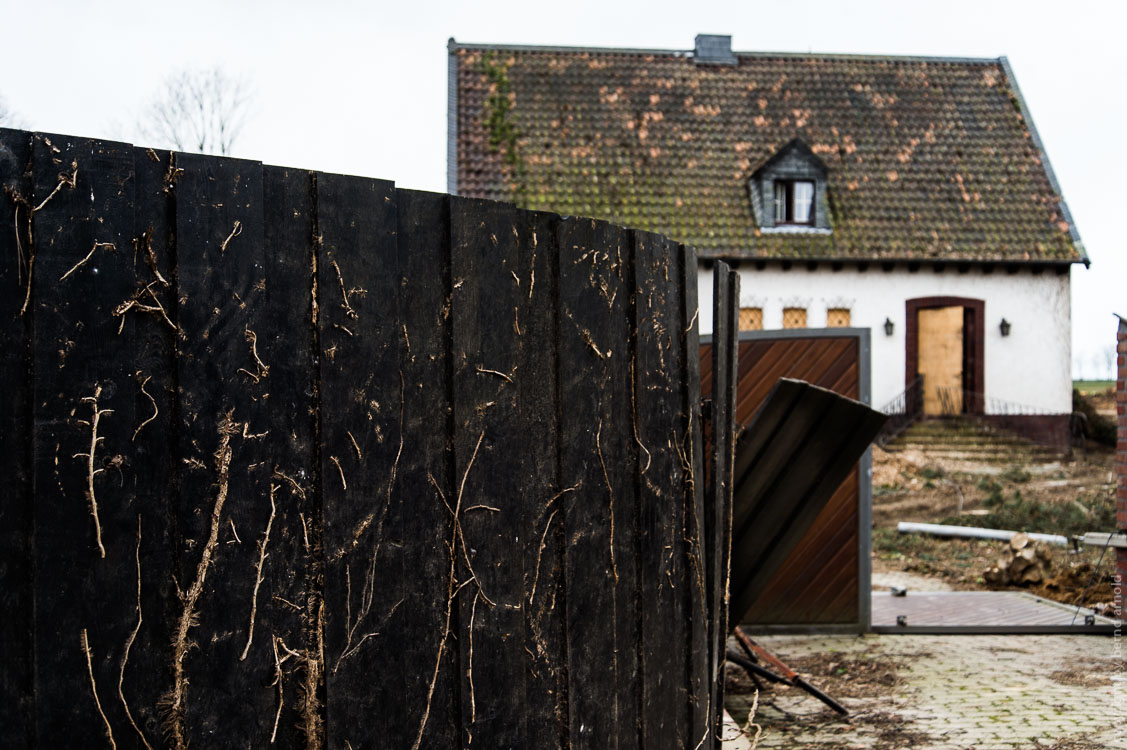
x=1031, y=366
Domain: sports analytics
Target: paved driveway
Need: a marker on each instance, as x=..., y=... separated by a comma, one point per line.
x=946, y=692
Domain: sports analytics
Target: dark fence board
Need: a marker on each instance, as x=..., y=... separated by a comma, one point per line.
x=660, y=501
x=362, y=416
x=430, y=645
x=83, y=195
x=691, y=451
x=227, y=465
x=507, y=489
x=595, y=273
x=289, y=597
x=374, y=468
x=722, y=418
x=153, y=441
x=535, y=295
x=17, y=643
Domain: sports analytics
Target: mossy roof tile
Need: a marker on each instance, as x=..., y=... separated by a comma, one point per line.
x=926, y=158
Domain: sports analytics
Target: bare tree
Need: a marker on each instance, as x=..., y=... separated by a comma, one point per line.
x=198, y=110
x=1110, y=361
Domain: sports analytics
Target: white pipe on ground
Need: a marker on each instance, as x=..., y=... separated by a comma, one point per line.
x=973, y=532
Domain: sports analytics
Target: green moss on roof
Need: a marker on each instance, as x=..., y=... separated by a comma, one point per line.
x=925, y=158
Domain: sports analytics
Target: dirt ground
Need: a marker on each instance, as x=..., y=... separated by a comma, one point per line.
x=949, y=692
x=1102, y=400
x=1060, y=497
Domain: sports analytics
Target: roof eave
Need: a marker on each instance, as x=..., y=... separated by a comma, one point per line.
x=1073, y=232
x=452, y=119
x=454, y=45
x=857, y=259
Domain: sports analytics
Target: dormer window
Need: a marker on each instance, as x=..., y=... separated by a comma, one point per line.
x=794, y=202
x=788, y=192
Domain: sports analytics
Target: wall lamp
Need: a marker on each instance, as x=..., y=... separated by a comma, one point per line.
x=889, y=326
x=1004, y=327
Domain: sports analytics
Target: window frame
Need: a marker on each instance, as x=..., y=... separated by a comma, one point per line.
x=788, y=186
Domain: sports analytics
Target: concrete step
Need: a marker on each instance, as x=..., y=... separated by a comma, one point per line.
x=966, y=441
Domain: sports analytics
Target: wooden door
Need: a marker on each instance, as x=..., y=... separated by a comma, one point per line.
x=940, y=341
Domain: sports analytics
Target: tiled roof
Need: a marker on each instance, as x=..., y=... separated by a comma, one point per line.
x=927, y=158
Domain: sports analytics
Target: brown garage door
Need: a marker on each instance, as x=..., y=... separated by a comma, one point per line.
x=825, y=579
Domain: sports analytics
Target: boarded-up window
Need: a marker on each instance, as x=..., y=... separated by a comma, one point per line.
x=794, y=317
x=751, y=318
x=837, y=317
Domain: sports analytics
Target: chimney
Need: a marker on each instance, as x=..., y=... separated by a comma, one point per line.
x=713, y=49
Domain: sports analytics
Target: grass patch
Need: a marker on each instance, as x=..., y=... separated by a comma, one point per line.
x=931, y=472
x=989, y=485
x=1016, y=474
x=1018, y=513
x=1088, y=387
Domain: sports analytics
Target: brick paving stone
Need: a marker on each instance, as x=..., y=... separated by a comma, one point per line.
x=996, y=692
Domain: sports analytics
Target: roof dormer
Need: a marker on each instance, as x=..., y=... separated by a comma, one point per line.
x=788, y=191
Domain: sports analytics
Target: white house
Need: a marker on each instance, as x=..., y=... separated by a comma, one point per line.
x=908, y=195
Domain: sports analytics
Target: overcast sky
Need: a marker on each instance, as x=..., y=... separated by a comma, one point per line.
x=360, y=88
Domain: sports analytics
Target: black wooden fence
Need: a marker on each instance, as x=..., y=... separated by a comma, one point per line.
x=304, y=460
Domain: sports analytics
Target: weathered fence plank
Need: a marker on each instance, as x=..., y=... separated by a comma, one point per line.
x=17, y=627
x=373, y=468
x=287, y=606
x=657, y=376
x=508, y=493
x=429, y=637
x=595, y=275
x=146, y=679
x=718, y=522
x=225, y=428
x=362, y=416
x=85, y=529
x=544, y=498
x=701, y=673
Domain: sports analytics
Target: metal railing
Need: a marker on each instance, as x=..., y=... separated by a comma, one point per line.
x=953, y=401
x=907, y=407
x=903, y=410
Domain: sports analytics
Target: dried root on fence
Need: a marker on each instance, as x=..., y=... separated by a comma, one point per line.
x=452, y=589
x=258, y=575
x=107, y=245
x=94, y=688
x=345, y=292
x=65, y=179
x=129, y=645
x=261, y=368
x=175, y=700
x=152, y=400
x=235, y=232
x=145, y=241
x=91, y=472
x=135, y=303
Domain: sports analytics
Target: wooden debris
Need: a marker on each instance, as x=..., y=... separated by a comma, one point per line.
x=1023, y=562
